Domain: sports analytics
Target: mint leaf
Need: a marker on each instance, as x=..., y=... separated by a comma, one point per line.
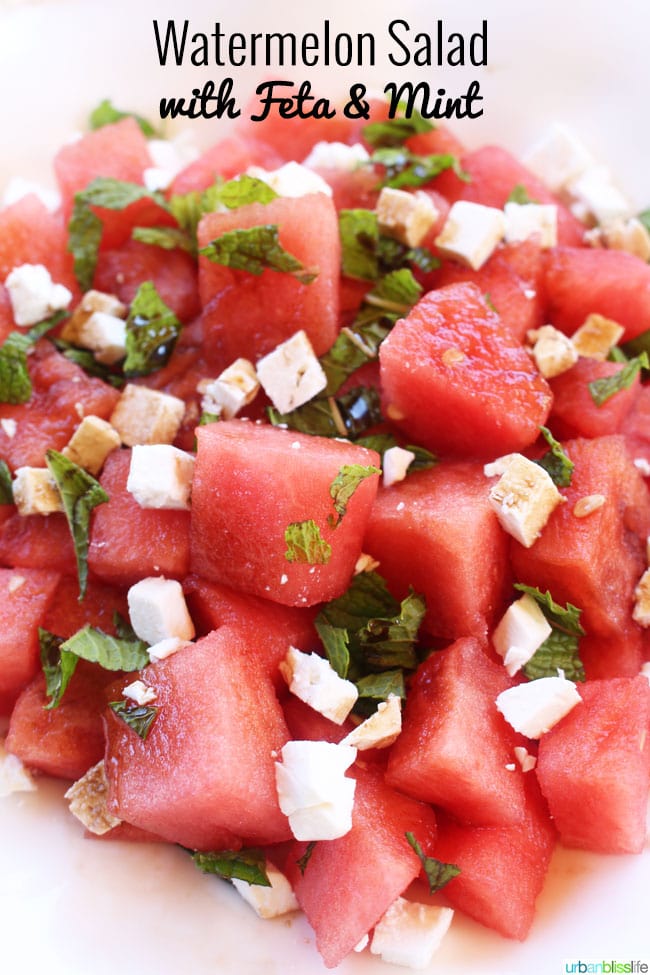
x=6, y=490
x=555, y=461
x=519, y=194
x=390, y=641
x=110, y=652
x=404, y=168
x=85, y=359
x=139, y=717
x=354, y=346
x=167, y=238
x=248, y=865
x=107, y=114
x=397, y=291
x=381, y=686
x=344, y=485
x=152, y=330
x=243, y=190
x=80, y=493
x=305, y=543
x=256, y=249
x=359, y=233
x=348, y=415
x=565, y=618
x=437, y=873
x=560, y=651
x=394, y=132
x=335, y=641
x=381, y=442
x=602, y=389
x=58, y=666
x=15, y=383
x=366, y=597
x=302, y=861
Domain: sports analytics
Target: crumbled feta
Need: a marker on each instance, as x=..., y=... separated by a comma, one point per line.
x=526, y=761
x=552, y=350
x=596, y=337
x=35, y=491
x=524, y=220
x=9, y=426
x=292, y=179
x=642, y=465
x=157, y=178
x=139, y=692
x=14, y=777
x=166, y=648
x=495, y=468
x=409, y=933
x=520, y=632
x=18, y=187
x=15, y=582
x=92, y=301
x=33, y=294
x=471, y=233
x=87, y=798
x=622, y=235
x=337, y=156
x=268, y=902
x=362, y=944
x=365, y=563
x=313, y=679
x=558, y=157
x=408, y=217
x=236, y=387
x=313, y=790
x=160, y=476
x=535, y=707
x=103, y=334
x=157, y=610
x=595, y=195
x=91, y=443
x=173, y=154
x=524, y=498
x=641, y=611
x=146, y=416
x=395, y=464
x=291, y=374
x=379, y=730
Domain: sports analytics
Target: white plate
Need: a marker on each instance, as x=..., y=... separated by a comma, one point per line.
x=70, y=906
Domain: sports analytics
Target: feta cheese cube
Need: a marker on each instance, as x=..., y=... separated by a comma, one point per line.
x=523, y=499
x=291, y=375
x=267, y=902
x=337, y=156
x=595, y=195
x=526, y=761
x=292, y=179
x=236, y=387
x=534, y=708
x=409, y=933
x=314, y=681
x=524, y=220
x=33, y=295
x=104, y=335
x=160, y=476
x=35, y=491
x=88, y=801
x=471, y=233
x=14, y=777
x=520, y=632
x=558, y=157
x=91, y=302
x=596, y=337
x=553, y=351
x=9, y=426
x=139, y=692
x=165, y=648
x=641, y=611
x=622, y=235
x=395, y=464
x=406, y=216
x=146, y=416
x=379, y=730
x=91, y=443
x=313, y=790
x=158, y=611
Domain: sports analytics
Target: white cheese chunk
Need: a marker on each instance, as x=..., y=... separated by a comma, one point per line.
x=14, y=777
x=622, y=235
x=522, y=629
x=409, y=933
x=313, y=790
x=87, y=798
x=139, y=692
x=33, y=295
x=236, y=387
x=268, y=902
x=291, y=374
x=471, y=233
x=9, y=426
x=91, y=302
x=558, y=157
x=596, y=337
x=408, y=217
x=645, y=670
x=365, y=563
x=104, y=335
x=524, y=220
x=35, y=491
x=379, y=730
x=526, y=761
x=553, y=351
x=595, y=195
x=313, y=679
x=160, y=476
x=158, y=611
x=535, y=707
x=292, y=179
x=173, y=154
x=166, y=648
x=146, y=416
x=524, y=498
x=337, y=156
x=91, y=443
x=641, y=611
x=395, y=464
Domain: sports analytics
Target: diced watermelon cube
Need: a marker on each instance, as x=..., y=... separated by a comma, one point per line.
x=226, y=159
x=292, y=138
x=594, y=767
x=31, y=234
x=38, y=542
x=574, y=412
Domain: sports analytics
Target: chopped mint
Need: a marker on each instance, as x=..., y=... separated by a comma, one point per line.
x=519, y=194
x=404, y=168
x=6, y=490
x=107, y=114
x=152, y=330
x=58, y=666
x=555, y=461
x=381, y=686
x=110, y=652
x=302, y=861
x=395, y=131
x=255, y=249
x=335, y=641
x=560, y=650
x=138, y=717
x=348, y=415
x=437, y=873
x=167, y=238
x=305, y=543
x=15, y=383
x=344, y=485
x=247, y=865
x=602, y=389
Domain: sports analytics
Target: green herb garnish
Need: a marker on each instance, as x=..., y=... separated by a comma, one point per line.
x=437, y=873
x=555, y=461
x=560, y=650
x=247, y=865
x=107, y=114
x=404, y=168
x=255, y=250
x=58, y=666
x=152, y=330
x=602, y=389
x=6, y=490
x=305, y=543
x=139, y=717
x=519, y=194
x=395, y=131
x=344, y=485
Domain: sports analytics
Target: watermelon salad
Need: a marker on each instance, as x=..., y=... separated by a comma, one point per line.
x=324, y=513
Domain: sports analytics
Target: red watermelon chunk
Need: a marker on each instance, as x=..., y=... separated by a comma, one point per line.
x=205, y=774
x=574, y=412
x=38, y=542
x=594, y=767
x=455, y=379
x=436, y=532
x=454, y=746
x=250, y=483
x=226, y=159
x=67, y=614
x=349, y=883
x=31, y=234
x=247, y=314
x=293, y=138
